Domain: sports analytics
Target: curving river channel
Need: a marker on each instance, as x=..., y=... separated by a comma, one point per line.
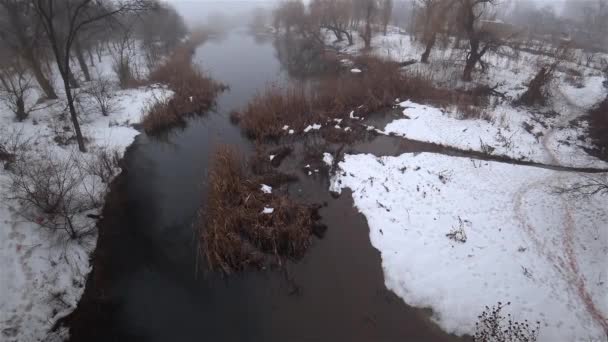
x=145, y=285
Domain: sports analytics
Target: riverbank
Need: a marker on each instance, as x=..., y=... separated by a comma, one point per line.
x=499, y=232
x=146, y=281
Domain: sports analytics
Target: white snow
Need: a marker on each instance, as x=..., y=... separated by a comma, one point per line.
x=286, y=127
x=355, y=71
x=557, y=145
x=267, y=210
x=352, y=115
x=309, y=128
x=42, y=275
x=271, y=157
x=328, y=159
x=266, y=188
x=291, y=131
x=544, y=252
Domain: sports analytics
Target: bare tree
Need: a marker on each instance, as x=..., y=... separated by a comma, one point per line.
x=433, y=16
x=53, y=192
x=334, y=15
x=123, y=54
x=15, y=85
x=20, y=30
x=480, y=39
x=369, y=9
x=101, y=92
x=290, y=14
x=387, y=12
x=63, y=21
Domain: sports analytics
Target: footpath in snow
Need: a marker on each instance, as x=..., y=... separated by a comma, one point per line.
x=513, y=238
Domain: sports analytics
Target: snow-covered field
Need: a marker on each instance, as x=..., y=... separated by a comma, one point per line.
x=546, y=253
x=521, y=240
x=557, y=144
x=42, y=274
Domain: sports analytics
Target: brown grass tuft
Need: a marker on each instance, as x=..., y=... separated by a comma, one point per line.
x=376, y=88
x=195, y=93
x=234, y=233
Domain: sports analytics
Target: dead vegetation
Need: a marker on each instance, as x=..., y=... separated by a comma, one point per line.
x=598, y=126
x=537, y=92
x=494, y=326
x=194, y=92
x=245, y=227
x=377, y=87
x=55, y=192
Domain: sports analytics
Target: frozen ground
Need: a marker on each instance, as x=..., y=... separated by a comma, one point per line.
x=456, y=234
x=546, y=253
x=42, y=274
x=557, y=144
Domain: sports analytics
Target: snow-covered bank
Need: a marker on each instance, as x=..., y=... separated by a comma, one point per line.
x=542, y=251
x=42, y=274
x=514, y=132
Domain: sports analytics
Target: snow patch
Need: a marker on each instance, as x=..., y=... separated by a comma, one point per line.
x=518, y=234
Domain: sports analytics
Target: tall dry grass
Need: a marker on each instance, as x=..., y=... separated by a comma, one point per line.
x=376, y=88
x=234, y=233
x=194, y=92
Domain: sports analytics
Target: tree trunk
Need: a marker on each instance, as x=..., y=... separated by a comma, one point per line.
x=349, y=36
x=72, y=79
x=367, y=35
x=338, y=35
x=468, y=69
x=430, y=43
x=90, y=53
x=73, y=114
x=472, y=60
x=43, y=82
x=81, y=61
x=21, y=114
x=27, y=50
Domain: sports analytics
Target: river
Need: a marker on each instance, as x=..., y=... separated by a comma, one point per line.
x=147, y=284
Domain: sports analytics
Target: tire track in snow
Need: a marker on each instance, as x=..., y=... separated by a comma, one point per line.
x=569, y=268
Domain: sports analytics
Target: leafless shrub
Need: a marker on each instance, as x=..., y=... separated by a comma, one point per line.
x=538, y=92
x=574, y=77
x=485, y=148
x=457, y=233
x=16, y=85
x=101, y=92
x=493, y=326
x=123, y=50
x=54, y=192
x=590, y=186
x=105, y=164
x=12, y=144
x=242, y=225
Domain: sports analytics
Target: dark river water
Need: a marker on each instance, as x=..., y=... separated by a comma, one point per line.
x=146, y=285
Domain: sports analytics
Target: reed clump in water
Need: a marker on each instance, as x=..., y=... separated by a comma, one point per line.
x=194, y=92
x=242, y=226
x=377, y=87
